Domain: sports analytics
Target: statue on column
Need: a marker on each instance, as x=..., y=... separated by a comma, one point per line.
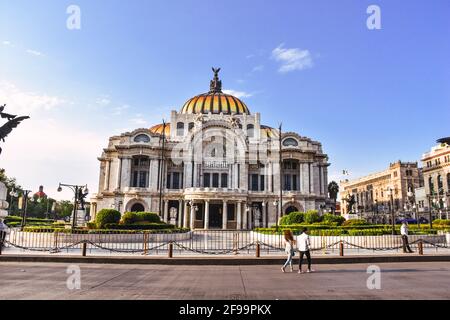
x=13, y=122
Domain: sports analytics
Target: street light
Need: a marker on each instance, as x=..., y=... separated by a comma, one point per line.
x=13, y=194
x=25, y=207
x=80, y=193
x=390, y=193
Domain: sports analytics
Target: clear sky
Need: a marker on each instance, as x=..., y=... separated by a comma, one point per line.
x=370, y=96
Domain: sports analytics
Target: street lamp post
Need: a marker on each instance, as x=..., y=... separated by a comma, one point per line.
x=12, y=194
x=391, y=195
x=25, y=208
x=76, y=189
x=280, y=161
x=275, y=203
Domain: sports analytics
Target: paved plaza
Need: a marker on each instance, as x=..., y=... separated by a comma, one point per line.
x=424, y=280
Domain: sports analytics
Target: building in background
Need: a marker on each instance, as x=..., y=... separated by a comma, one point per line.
x=436, y=175
x=214, y=165
x=378, y=194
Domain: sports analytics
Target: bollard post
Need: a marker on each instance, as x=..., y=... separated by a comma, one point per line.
x=145, y=243
x=341, y=249
x=83, y=248
x=420, y=248
x=170, y=250
x=258, y=250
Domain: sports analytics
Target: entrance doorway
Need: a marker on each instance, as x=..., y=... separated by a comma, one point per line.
x=137, y=207
x=215, y=216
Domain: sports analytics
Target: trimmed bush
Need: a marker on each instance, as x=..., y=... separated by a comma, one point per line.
x=312, y=216
x=138, y=217
x=355, y=222
x=292, y=218
x=442, y=222
x=331, y=219
x=139, y=226
x=106, y=216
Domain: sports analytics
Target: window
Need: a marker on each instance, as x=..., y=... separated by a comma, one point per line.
x=254, y=186
x=142, y=138
x=431, y=185
x=395, y=174
x=215, y=180
x=290, y=142
x=224, y=180
x=190, y=126
x=294, y=182
x=440, y=184
x=176, y=180
x=261, y=183
x=287, y=182
x=206, y=180
x=139, y=172
x=180, y=129
x=250, y=130
x=230, y=213
x=448, y=182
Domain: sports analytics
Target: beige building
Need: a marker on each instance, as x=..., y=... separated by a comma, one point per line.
x=218, y=167
x=376, y=194
x=436, y=175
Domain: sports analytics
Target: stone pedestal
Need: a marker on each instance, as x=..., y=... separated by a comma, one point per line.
x=3, y=204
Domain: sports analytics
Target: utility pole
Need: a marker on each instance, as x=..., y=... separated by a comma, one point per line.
x=161, y=168
x=280, y=163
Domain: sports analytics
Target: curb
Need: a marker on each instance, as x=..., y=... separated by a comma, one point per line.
x=219, y=260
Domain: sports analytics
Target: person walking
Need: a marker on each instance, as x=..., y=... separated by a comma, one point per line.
x=3, y=232
x=404, y=233
x=289, y=249
x=304, y=246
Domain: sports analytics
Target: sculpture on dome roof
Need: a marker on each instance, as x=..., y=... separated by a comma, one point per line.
x=216, y=84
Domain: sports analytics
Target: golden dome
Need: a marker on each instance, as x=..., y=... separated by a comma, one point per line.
x=215, y=101
x=159, y=129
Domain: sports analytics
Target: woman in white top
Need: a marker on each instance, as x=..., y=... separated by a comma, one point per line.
x=290, y=242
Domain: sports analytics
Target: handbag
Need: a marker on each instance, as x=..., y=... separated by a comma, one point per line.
x=292, y=252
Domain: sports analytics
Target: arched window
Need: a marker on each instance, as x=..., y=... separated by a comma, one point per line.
x=137, y=207
x=448, y=182
x=290, y=209
x=250, y=130
x=190, y=126
x=180, y=129
x=431, y=185
x=440, y=184
x=142, y=138
x=290, y=142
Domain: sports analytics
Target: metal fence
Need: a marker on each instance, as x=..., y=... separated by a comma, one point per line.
x=203, y=242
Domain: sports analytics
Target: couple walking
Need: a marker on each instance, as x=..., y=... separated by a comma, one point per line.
x=303, y=246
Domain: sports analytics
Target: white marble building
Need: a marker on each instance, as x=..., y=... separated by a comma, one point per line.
x=213, y=157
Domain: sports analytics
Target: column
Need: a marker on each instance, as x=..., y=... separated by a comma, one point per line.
x=239, y=215
x=245, y=216
x=126, y=172
x=264, y=214
x=270, y=177
x=192, y=217
x=107, y=174
x=311, y=177
x=224, y=216
x=166, y=211
x=186, y=216
x=206, y=215
x=180, y=212
x=119, y=174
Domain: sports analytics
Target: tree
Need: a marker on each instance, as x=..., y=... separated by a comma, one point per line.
x=333, y=190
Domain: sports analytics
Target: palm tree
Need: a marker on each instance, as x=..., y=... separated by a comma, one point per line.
x=333, y=190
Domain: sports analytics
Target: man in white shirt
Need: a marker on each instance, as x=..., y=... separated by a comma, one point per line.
x=304, y=245
x=404, y=233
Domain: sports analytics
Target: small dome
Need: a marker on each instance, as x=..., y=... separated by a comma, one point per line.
x=215, y=101
x=159, y=129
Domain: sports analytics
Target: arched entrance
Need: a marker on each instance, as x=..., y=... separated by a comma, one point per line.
x=290, y=209
x=137, y=207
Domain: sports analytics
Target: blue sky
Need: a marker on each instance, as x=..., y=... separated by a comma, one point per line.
x=370, y=96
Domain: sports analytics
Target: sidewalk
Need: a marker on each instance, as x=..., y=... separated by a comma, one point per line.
x=221, y=260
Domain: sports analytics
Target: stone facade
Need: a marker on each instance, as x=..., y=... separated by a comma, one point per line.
x=436, y=176
x=373, y=199
x=213, y=157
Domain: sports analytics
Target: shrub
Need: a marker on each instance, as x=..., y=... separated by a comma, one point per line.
x=140, y=226
x=442, y=222
x=355, y=222
x=91, y=225
x=139, y=217
x=312, y=216
x=106, y=216
x=149, y=217
x=331, y=219
x=292, y=218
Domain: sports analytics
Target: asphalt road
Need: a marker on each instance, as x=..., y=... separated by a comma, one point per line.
x=425, y=280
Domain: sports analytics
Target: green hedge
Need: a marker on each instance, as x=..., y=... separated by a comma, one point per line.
x=355, y=222
x=140, y=226
x=106, y=216
x=442, y=222
x=9, y=219
x=102, y=231
x=135, y=217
